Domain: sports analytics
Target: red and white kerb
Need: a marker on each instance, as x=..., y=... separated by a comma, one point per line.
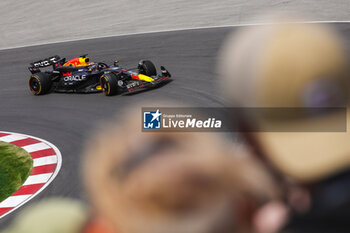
x=47, y=162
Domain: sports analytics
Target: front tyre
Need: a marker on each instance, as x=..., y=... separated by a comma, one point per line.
x=40, y=83
x=110, y=85
x=147, y=67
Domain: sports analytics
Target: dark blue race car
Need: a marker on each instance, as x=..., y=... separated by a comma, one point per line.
x=79, y=75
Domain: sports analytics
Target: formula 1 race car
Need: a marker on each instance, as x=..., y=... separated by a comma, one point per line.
x=79, y=75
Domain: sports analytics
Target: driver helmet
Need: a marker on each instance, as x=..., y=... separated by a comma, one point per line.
x=84, y=61
x=78, y=61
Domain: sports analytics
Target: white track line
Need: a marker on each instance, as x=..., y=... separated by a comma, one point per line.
x=36, y=147
x=38, y=179
x=12, y=138
x=171, y=30
x=13, y=201
x=45, y=161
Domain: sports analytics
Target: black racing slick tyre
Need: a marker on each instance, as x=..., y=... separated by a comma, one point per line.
x=40, y=83
x=147, y=67
x=110, y=85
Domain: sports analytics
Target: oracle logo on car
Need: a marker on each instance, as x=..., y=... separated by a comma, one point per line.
x=75, y=78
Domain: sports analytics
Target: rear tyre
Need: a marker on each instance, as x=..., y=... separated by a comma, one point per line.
x=110, y=84
x=147, y=67
x=40, y=83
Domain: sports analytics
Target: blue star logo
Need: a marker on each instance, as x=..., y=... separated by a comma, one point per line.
x=152, y=120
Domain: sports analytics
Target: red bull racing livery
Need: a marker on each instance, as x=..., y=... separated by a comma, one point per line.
x=79, y=75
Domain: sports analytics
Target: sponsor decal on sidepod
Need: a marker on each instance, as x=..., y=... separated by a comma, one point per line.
x=75, y=78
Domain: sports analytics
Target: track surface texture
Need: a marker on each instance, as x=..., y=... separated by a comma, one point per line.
x=67, y=119
x=29, y=22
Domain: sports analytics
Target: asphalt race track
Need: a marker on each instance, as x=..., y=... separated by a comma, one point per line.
x=67, y=119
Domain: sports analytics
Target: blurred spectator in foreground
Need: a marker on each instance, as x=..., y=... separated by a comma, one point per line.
x=55, y=215
x=302, y=66
x=58, y=215
x=176, y=182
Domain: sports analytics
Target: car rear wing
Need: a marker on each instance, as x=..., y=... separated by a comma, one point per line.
x=35, y=66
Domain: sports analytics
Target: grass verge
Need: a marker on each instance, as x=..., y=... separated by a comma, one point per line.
x=15, y=167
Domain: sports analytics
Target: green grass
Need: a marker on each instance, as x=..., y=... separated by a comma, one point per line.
x=15, y=167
